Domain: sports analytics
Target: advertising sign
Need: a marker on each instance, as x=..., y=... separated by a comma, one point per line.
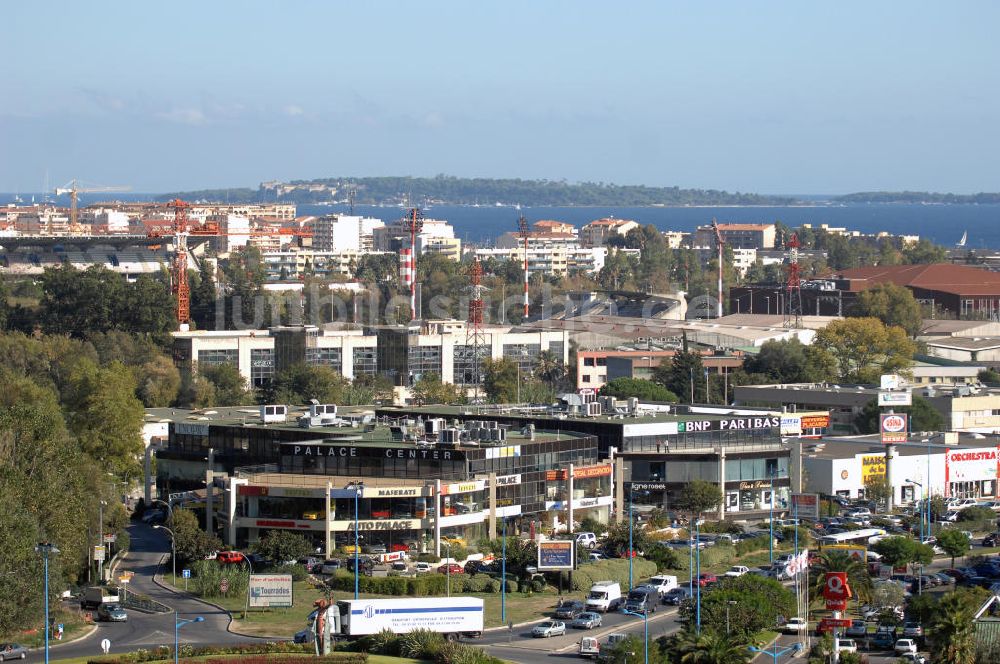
x=805, y=505
x=901, y=398
x=271, y=590
x=872, y=467
x=836, y=592
x=99, y=553
x=508, y=480
x=971, y=465
x=893, y=428
x=890, y=382
x=815, y=421
x=730, y=424
x=648, y=486
x=592, y=471
x=791, y=425
x=556, y=555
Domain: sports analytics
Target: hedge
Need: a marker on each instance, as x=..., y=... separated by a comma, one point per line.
x=165, y=653
x=420, y=586
x=612, y=570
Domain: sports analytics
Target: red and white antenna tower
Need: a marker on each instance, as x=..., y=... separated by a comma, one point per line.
x=718, y=243
x=474, y=335
x=793, y=306
x=178, y=270
x=522, y=229
x=414, y=222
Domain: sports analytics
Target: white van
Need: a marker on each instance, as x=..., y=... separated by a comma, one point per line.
x=662, y=583
x=605, y=596
x=590, y=647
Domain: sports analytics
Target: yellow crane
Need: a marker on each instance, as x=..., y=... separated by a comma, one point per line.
x=74, y=190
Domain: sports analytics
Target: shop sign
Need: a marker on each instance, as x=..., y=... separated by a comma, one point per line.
x=791, y=425
x=890, y=382
x=556, y=475
x=836, y=592
x=893, y=427
x=505, y=502
x=901, y=398
x=805, y=505
x=392, y=492
x=971, y=465
x=648, y=486
x=815, y=421
x=872, y=467
x=730, y=424
x=380, y=524
x=508, y=480
x=351, y=451
x=585, y=502
x=190, y=429
x=756, y=484
x=556, y=555
x=270, y=590
x=586, y=472
x=462, y=487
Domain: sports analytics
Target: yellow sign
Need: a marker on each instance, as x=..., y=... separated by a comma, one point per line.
x=872, y=467
x=855, y=551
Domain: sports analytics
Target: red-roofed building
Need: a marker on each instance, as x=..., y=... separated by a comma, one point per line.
x=597, y=233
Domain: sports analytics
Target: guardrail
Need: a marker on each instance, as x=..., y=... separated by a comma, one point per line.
x=140, y=602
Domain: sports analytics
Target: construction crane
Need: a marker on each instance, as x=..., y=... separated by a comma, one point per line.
x=178, y=269
x=74, y=190
x=414, y=223
x=718, y=243
x=522, y=230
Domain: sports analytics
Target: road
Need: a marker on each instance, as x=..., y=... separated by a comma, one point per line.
x=142, y=630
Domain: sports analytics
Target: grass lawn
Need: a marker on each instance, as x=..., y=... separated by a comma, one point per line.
x=68, y=614
x=372, y=659
x=285, y=622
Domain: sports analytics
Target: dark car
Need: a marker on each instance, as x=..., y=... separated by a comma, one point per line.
x=973, y=581
x=570, y=609
x=944, y=578
x=993, y=539
x=478, y=567
x=12, y=651
x=883, y=641
x=304, y=636
x=676, y=596
x=111, y=613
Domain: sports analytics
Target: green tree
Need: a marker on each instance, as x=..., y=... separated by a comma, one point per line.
x=923, y=416
x=203, y=297
x=521, y=553
x=712, y=647
x=891, y=304
x=864, y=348
x=430, y=389
x=616, y=543
x=877, y=488
x=644, y=390
x=159, y=382
x=899, y=551
x=301, y=382
x=147, y=306
x=832, y=560
x=682, y=374
x=549, y=369
x=500, y=378
x=791, y=361
x=190, y=541
x=699, y=496
x=282, y=546
x=952, y=634
x=749, y=604
x=989, y=376
x=229, y=386
x=954, y=543
x=925, y=252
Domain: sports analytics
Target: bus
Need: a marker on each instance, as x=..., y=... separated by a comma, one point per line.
x=861, y=538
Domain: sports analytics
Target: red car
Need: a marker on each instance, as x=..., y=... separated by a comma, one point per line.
x=229, y=557
x=398, y=547
x=454, y=568
x=705, y=579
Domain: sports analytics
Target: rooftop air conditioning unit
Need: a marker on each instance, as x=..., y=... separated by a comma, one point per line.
x=317, y=409
x=449, y=436
x=594, y=409
x=273, y=413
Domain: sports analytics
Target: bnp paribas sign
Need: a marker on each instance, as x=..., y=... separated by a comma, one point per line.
x=730, y=424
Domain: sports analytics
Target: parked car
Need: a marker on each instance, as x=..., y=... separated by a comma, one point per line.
x=588, y=540
x=944, y=578
x=706, y=579
x=12, y=651
x=858, y=629
x=111, y=613
x=450, y=568
x=548, y=629
x=477, y=567
x=913, y=658
x=905, y=645
x=311, y=563
x=795, y=626
x=913, y=630
x=375, y=547
x=569, y=609
x=304, y=636
x=329, y=566
x=423, y=567
x=737, y=570
x=847, y=645
x=883, y=640
x=229, y=557
x=590, y=647
x=587, y=620
x=595, y=556
x=991, y=540
x=676, y=596
x=153, y=516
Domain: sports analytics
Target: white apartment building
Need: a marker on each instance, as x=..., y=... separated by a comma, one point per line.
x=341, y=232
x=235, y=231
x=435, y=236
x=110, y=221
x=556, y=261
x=539, y=241
x=282, y=265
x=597, y=233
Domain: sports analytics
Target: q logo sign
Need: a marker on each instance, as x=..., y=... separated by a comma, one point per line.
x=836, y=592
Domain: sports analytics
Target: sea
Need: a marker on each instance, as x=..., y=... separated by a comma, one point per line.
x=482, y=225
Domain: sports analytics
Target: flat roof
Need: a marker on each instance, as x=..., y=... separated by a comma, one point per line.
x=839, y=447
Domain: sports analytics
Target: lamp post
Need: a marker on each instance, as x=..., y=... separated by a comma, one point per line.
x=100, y=538
x=630, y=553
x=46, y=549
x=358, y=487
x=177, y=627
x=645, y=629
x=173, y=549
x=503, y=575
x=447, y=567
x=246, y=606
x=776, y=652
x=697, y=546
x=923, y=532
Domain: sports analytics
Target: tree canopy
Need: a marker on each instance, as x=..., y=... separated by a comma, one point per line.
x=865, y=348
x=644, y=390
x=891, y=304
x=923, y=416
x=698, y=496
x=791, y=361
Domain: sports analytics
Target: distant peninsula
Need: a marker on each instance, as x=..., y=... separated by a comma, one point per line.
x=912, y=197
x=447, y=190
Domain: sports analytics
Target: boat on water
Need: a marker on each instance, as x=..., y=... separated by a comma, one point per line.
x=965, y=237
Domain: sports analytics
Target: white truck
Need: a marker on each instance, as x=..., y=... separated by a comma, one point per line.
x=605, y=596
x=454, y=617
x=94, y=596
x=663, y=583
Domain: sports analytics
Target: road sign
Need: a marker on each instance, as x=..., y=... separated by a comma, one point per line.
x=110, y=538
x=224, y=586
x=186, y=573
x=99, y=553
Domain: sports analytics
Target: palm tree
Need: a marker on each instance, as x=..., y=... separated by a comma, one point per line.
x=711, y=647
x=953, y=632
x=832, y=560
x=549, y=368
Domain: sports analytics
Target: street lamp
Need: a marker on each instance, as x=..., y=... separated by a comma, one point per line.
x=697, y=546
x=358, y=487
x=46, y=549
x=503, y=574
x=645, y=628
x=100, y=538
x=447, y=567
x=775, y=652
x=246, y=607
x=173, y=549
x=177, y=626
x=728, y=604
x=630, y=551
x=923, y=533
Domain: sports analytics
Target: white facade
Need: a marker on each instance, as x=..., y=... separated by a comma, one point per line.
x=554, y=261
x=344, y=232
x=236, y=232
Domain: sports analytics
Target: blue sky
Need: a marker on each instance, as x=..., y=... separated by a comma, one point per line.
x=773, y=97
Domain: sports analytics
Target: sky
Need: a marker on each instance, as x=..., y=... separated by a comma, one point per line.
x=771, y=97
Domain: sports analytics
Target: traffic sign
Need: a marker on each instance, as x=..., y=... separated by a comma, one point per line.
x=224, y=586
x=110, y=538
x=99, y=553
x=186, y=573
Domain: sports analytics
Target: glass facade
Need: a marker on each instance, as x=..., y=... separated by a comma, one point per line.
x=365, y=362
x=464, y=365
x=327, y=357
x=423, y=360
x=261, y=366
x=216, y=357
x=526, y=355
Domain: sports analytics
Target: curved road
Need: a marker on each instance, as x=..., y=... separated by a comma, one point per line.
x=143, y=630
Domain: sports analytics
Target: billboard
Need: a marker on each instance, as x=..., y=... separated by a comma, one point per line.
x=890, y=382
x=805, y=505
x=836, y=592
x=872, y=467
x=890, y=399
x=556, y=555
x=270, y=590
x=893, y=428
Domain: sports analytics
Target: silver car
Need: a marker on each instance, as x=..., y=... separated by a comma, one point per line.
x=549, y=628
x=12, y=651
x=587, y=620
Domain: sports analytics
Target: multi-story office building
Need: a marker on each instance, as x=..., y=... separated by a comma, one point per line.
x=554, y=261
x=436, y=235
x=737, y=236
x=340, y=232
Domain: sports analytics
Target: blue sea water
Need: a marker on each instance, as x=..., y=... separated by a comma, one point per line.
x=942, y=224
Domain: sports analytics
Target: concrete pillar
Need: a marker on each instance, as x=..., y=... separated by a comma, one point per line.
x=328, y=540
x=619, y=504
x=232, y=500
x=890, y=455
x=492, y=487
x=209, y=490
x=722, y=481
x=569, y=502
x=437, y=518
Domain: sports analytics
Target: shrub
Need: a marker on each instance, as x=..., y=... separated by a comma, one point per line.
x=976, y=514
x=420, y=644
x=615, y=569
x=460, y=653
x=538, y=585
x=456, y=552
x=207, y=576
x=721, y=527
x=477, y=583
x=385, y=642
x=753, y=544
x=270, y=647
x=298, y=572
x=666, y=558
x=428, y=558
